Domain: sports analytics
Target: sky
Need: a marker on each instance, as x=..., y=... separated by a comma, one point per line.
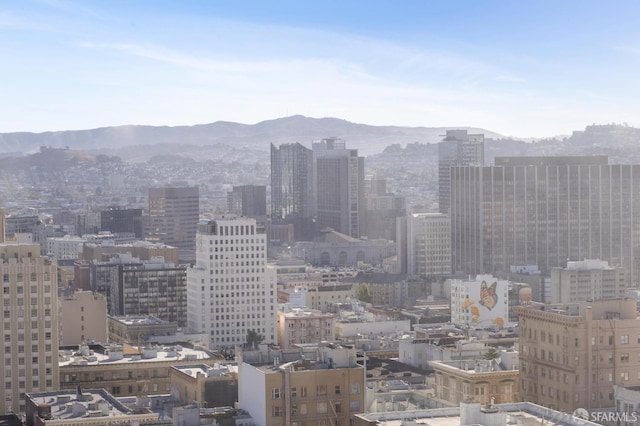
x=518, y=68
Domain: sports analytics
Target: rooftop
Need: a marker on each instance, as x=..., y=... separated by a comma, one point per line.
x=139, y=320
x=218, y=370
x=126, y=354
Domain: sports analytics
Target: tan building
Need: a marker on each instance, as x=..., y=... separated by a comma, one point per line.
x=304, y=326
x=209, y=386
x=572, y=356
x=589, y=279
x=479, y=380
x=29, y=323
x=134, y=329
x=126, y=370
x=328, y=390
x=83, y=317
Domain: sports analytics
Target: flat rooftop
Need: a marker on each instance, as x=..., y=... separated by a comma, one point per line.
x=89, y=403
x=129, y=354
x=218, y=370
x=140, y=320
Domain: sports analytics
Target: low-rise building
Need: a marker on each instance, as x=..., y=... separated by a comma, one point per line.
x=304, y=326
x=479, y=380
x=209, y=386
x=80, y=407
x=125, y=370
x=138, y=328
x=328, y=388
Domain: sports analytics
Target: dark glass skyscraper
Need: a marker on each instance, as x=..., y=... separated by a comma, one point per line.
x=292, y=195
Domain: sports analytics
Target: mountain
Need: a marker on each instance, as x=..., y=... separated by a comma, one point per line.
x=368, y=139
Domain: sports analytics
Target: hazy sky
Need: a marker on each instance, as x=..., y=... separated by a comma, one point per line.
x=524, y=68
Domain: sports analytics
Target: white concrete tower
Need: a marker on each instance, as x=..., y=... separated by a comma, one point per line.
x=230, y=289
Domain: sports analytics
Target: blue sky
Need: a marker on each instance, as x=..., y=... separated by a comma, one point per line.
x=528, y=69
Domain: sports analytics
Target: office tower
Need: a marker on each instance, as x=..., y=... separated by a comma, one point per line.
x=173, y=218
x=544, y=211
x=29, y=323
x=135, y=287
x=458, y=148
x=292, y=195
x=87, y=223
x=231, y=290
x=571, y=356
x=382, y=209
x=424, y=249
x=118, y=220
x=3, y=225
x=249, y=201
x=589, y=279
x=339, y=187
x=324, y=384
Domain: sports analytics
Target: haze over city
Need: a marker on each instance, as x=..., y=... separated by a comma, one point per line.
x=527, y=69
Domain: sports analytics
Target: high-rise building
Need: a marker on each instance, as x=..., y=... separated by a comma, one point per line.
x=249, y=201
x=173, y=218
x=339, y=187
x=382, y=209
x=457, y=149
x=118, y=220
x=589, y=279
x=29, y=323
x=230, y=289
x=292, y=196
x=571, y=356
x=544, y=211
x=424, y=248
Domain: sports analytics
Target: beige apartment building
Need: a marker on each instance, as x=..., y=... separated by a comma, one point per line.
x=477, y=380
x=589, y=279
x=83, y=317
x=29, y=324
x=304, y=326
x=209, y=386
x=328, y=390
x=572, y=356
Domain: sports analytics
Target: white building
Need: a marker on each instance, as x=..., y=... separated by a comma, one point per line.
x=590, y=279
x=481, y=303
x=230, y=289
x=67, y=247
x=426, y=245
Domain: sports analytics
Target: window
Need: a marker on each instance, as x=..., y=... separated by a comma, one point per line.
x=624, y=357
x=321, y=390
x=355, y=388
x=321, y=408
x=624, y=340
x=275, y=393
x=337, y=390
x=276, y=411
x=294, y=392
x=354, y=405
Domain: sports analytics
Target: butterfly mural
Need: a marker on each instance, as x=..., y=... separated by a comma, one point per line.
x=488, y=295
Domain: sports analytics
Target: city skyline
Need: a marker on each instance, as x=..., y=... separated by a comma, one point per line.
x=527, y=70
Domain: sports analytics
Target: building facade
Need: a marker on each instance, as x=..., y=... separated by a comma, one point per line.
x=173, y=218
x=292, y=195
x=303, y=326
x=425, y=248
x=544, y=210
x=326, y=390
x=589, y=279
x=249, y=201
x=480, y=303
x=29, y=324
x=117, y=220
x=457, y=149
x=572, y=356
x=83, y=317
x=230, y=289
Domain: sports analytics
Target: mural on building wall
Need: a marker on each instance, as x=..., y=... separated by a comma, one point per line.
x=484, y=303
